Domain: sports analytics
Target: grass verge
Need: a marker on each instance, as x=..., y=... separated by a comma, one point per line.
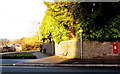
x=18, y=56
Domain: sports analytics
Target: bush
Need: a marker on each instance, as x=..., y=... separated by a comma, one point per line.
x=18, y=56
x=28, y=47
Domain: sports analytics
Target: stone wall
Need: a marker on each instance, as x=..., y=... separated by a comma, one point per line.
x=91, y=49
x=69, y=49
x=97, y=49
x=50, y=48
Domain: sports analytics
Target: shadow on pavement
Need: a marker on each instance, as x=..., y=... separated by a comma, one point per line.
x=91, y=61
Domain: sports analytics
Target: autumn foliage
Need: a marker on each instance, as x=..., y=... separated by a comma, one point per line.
x=28, y=43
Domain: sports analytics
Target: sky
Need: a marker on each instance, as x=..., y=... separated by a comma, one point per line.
x=19, y=18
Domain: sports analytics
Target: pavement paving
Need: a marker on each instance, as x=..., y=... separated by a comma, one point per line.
x=47, y=60
x=39, y=54
x=56, y=61
x=51, y=59
x=43, y=58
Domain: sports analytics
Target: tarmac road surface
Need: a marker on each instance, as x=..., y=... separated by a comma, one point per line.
x=54, y=69
x=12, y=61
x=19, y=52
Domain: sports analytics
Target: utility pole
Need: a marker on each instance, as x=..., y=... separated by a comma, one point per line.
x=81, y=43
x=38, y=24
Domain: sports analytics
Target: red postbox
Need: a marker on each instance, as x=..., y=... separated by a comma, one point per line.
x=115, y=47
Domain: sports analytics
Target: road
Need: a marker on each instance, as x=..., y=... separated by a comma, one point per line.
x=13, y=61
x=53, y=69
x=18, y=52
x=37, y=53
x=32, y=70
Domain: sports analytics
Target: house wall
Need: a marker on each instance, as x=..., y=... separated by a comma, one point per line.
x=18, y=49
x=10, y=49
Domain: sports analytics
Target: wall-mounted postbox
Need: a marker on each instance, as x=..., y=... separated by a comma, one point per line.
x=115, y=47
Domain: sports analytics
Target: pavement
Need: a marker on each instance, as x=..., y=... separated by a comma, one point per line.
x=47, y=60
x=39, y=54
x=51, y=59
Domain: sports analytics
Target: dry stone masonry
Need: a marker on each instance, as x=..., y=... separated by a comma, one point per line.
x=91, y=49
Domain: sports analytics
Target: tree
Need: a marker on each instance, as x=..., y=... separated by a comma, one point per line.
x=60, y=21
x=4, y=42
x=63, y=20
x=98, y=22
x=28, y=43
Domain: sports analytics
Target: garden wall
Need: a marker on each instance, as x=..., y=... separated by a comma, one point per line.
x=50, y=48
x=91, y=49
x=69, y=49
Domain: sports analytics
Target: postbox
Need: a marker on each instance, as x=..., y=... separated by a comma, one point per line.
x=115, y=47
